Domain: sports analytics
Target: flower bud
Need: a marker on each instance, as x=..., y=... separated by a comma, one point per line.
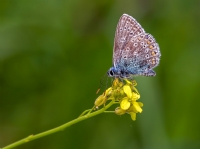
x=108, y=91
x=100, y=100
x=119, y=111
x=134, y=83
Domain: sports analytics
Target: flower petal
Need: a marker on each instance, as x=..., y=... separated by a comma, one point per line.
x=125, y=104
x=137, y=107
x=133, y=116
x=140, y=104
x=135, y=96
x=127, y=90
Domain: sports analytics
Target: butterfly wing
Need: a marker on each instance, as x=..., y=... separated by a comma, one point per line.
x=140, y=55
x=135, y=51
x=127, y=28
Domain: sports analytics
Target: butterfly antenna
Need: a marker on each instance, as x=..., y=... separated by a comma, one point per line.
x=106, y=82
x=101, y=83
x=102, y=79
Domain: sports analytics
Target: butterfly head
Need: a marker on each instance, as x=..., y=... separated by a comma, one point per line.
x=111, y=72
x=117, y=73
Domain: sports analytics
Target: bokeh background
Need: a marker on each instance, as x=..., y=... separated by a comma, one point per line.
x=54, y=53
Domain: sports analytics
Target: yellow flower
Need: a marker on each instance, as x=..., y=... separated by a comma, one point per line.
x=124, y=93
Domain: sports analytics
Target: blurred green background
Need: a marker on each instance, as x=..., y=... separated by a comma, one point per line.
x=54, y=53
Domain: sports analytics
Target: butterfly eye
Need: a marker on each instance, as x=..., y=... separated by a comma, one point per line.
x=110, y=73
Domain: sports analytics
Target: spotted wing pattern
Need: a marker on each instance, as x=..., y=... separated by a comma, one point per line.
x=135, y=52
x=127, y=28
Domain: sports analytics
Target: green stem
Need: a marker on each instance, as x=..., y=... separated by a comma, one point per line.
x=90, y=111
x=109, y=111
x=60, y=128
x=84, y=112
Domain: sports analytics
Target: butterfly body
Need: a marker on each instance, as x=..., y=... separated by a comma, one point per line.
x=135, y=52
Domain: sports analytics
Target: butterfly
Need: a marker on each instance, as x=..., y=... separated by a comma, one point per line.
x=135, y=52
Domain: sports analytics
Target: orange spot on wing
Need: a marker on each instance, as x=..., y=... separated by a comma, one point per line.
x=153, y=61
